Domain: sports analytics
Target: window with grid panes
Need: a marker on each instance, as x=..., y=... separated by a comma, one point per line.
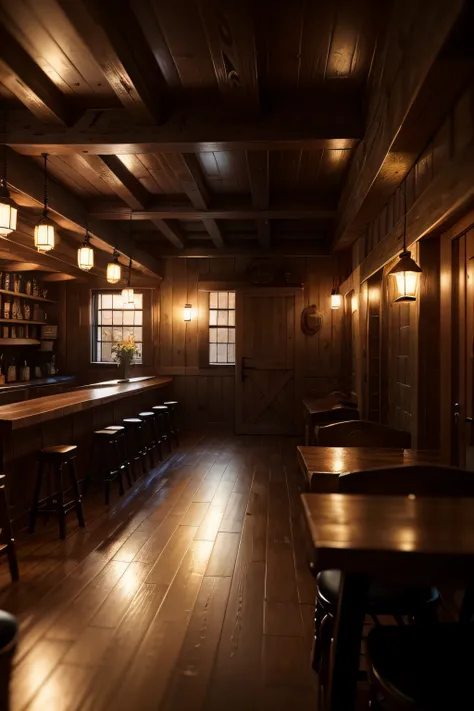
x=222, y=328
x=113, y=322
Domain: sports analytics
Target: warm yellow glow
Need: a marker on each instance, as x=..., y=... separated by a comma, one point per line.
x=8, y=216
x=114, y=272
x=407, y=283
x=44, y=236
x=354, y=303
x=188, y=312
x=85, y=257
x=336, y=301
x=128, y=296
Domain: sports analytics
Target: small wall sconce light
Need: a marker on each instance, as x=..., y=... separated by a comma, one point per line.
x=336, y=299
x=188, y=312
x=354, y=302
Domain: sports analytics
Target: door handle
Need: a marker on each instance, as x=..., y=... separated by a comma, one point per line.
x=456, y=413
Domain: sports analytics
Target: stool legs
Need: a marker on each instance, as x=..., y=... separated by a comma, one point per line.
x=77, y=493
x=60, y=501
x=6, y=534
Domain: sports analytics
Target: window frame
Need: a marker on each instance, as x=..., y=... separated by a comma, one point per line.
x=203, y=325
x=217, y=325
x=147, y=326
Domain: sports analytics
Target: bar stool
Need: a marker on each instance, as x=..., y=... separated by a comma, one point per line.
x=106, y=461
x=151, y=432
x=7, y=542
x=172, y=406
x=134, y=428
x=55, y=458
x=124, y=458
x=162, y=415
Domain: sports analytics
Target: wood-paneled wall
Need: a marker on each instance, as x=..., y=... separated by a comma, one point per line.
x=208, y=393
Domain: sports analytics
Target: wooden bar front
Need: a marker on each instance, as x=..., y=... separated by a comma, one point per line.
x=66, y=418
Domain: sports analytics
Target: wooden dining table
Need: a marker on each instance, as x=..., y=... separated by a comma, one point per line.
x=322, y=466
x=406, y=539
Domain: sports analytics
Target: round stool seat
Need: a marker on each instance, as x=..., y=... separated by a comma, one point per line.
x=105, y=433
x=115, y=428
x=159, y=408
x=8, y=631
x=61, y=452
x=170, y=403
x=133, y=421
x=146, y=414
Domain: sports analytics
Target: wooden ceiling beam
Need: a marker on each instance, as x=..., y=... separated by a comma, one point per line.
x=27, y=178
x=188, y=172
x=118, y=45
x=186, y=212
x=113, y=172
x=171, y=231
x=402, y=115
x=24, y=78
x=338, y=127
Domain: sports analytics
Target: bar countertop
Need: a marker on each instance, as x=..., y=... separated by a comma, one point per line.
x=42, y=409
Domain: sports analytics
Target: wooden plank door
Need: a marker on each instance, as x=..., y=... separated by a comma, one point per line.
x=268, y=347
x=463, y=350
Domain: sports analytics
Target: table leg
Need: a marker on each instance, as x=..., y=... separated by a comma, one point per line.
x=346, y=642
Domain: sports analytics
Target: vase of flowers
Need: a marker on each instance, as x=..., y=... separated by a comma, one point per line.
x=124, y=353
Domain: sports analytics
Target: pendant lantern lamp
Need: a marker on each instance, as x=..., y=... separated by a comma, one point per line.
x=44, y=230
x=8, y=209
x=128, y=295
x=85, y=254
x=406, y=271
x=114, y=270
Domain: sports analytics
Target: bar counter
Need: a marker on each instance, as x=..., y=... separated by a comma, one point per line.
x=66, y=418
x=41, y=409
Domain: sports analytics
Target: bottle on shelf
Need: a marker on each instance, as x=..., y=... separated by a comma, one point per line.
x=11, y=372
x=7, y=307
x=25, y=372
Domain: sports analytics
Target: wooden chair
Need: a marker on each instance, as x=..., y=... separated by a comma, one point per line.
x=414, y=602
x=361, y=433
x=8, y=642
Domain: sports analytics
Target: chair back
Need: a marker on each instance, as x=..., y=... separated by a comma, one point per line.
x=418, y=479
x=362, y=434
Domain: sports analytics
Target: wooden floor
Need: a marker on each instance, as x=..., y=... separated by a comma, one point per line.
x=191, y=593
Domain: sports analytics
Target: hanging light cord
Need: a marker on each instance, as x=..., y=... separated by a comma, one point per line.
x=45, y=208
x=4, y=167
x=405, y=217
x=129, y=271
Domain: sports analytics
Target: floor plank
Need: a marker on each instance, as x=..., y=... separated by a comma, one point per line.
x=190, y=593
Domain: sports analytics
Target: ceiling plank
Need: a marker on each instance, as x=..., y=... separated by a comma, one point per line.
x=339, y=126
x=27, y=178
x=214, y=232
x=391, y=145
x=24, y=78
x=118, y=45
x=171, y=231
x=230, y=35
x=232, y=212
x=258, y=170
x=113, y=172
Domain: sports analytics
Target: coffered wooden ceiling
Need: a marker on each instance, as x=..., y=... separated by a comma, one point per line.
x=216, y=125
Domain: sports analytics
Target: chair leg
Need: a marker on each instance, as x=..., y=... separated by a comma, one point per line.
x=141, y=448
x=60, y=501
x=77, y=493
x=36, y=497
x=127, y=465
x=319, y=615
x=7, y=534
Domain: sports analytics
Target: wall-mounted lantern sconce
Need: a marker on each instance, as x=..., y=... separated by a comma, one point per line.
x=187, y=312
x=336, y=299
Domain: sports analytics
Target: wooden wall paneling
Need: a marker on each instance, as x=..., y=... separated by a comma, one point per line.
x=178, y=278
x=445, y=346
x=429, y=339
x=191, y=328
x=166, y=320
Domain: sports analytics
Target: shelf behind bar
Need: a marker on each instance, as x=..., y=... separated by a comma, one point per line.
x=27, y=296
